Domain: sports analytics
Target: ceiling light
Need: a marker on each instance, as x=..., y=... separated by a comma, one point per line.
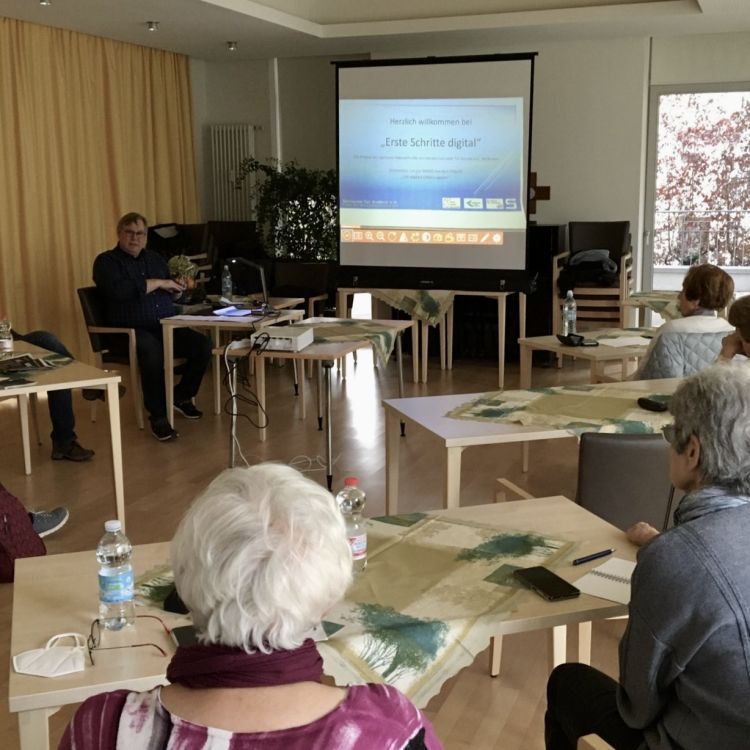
x=152, y=25
x=232, y=46
x=45, y=2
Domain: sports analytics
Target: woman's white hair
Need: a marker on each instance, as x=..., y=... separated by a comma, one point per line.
x=260, y=557
x=714, y=405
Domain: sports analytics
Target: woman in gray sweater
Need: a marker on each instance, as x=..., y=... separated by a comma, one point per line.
x=685, y=656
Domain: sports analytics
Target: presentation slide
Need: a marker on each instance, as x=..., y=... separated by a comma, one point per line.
x=433, y=164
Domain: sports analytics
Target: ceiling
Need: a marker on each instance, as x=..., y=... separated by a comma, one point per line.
x=294, y=28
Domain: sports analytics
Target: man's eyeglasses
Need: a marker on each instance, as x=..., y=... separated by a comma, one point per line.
x=670, y=434
x=131, y=233
x=95, y=638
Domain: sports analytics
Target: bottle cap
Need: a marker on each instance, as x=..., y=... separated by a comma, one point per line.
x=112, y=526
x=570, y=293
x=351, y=482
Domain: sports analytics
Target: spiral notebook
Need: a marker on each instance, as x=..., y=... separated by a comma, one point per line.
x=610, y=580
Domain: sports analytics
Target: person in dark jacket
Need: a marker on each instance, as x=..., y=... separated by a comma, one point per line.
x=138, y=290
x=685, y=655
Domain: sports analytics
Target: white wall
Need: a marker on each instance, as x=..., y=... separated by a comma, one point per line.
x=223, y=93
x=709, y=58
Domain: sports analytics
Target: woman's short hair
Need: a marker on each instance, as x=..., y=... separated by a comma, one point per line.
x=712, y=286
x=714, y=405
x=739, y=316
x=260, y=557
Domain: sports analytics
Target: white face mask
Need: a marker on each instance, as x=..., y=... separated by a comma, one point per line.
x=53, y=660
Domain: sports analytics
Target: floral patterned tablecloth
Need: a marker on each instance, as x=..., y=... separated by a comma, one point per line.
x=580, y=408
x=429, y=306
x=427, y=604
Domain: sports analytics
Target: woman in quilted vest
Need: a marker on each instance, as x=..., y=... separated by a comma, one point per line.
x=689, y=344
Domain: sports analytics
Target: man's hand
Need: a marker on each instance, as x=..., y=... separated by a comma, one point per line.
x=168, y=285
x=731, y=345
x=641, y=532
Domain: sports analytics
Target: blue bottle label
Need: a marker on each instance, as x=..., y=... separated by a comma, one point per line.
x=116, y=587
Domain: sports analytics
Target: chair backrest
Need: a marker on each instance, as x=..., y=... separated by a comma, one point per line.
x=624, y=478
x=94, y=314
x=600, y=235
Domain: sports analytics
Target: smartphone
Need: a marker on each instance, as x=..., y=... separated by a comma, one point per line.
x=184, y=635
x=589, y=342
x=546, y=583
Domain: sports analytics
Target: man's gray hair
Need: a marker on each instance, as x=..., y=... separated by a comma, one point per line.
x=260, y=557
x=714, y=405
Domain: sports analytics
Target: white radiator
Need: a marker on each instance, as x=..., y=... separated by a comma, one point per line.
x=230, y=144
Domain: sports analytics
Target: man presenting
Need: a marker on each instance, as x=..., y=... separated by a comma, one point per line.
x=138, y=293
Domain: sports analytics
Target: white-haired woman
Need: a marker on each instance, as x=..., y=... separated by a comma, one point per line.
x=259, y=558
x=685, y=656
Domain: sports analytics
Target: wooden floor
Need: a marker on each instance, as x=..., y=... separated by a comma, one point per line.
x=472, y=710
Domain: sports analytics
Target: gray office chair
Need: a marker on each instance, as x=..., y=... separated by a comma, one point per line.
x=625, y=478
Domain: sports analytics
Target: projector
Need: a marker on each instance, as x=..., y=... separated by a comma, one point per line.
x=283, y=338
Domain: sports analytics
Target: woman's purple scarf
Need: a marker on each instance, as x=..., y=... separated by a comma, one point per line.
x=217, y=666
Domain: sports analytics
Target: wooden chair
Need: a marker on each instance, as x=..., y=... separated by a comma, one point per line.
x=593, y=742
x=598, y=307
x=100, y=337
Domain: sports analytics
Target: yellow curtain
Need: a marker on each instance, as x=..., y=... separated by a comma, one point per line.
x=89, y=129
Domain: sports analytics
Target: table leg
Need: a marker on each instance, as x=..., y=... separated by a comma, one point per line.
x=392, y=449
x=400, y=360
x=559, y=645
x=23, y=413
x=302, y=386
x=496, y=652
x=501, y=341
x=449, y=336
x=327, y=365
x=168, y=339
x=33, y=728
x=319, y=397
x=584, y=642
x=425, y=339
x=452, y=477
x=260, y=392
x=525, y=457
x=216, y=369
x=594, y=376
x=341, y=298
x=415, y=350
x=526, y=357
x=233, y=413
x=113, y=404
x=521, y=315
x=441, y=338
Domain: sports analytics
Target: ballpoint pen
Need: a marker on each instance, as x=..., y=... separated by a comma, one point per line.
x=592, y=556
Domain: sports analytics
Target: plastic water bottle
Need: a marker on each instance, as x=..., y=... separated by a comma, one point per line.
x=226, y=283
x=569, y=314
x=113, y=553
x=6, y=337
x=351, y=501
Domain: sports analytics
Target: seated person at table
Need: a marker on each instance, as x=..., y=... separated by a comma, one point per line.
x=737, y=342
x=685, y=655
x=65, y=443
x=691, y=343
x=258, y=559
x=138, y=292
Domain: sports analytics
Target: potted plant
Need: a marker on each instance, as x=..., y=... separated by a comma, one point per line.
x=184, y=271
x=295, y=209
x=296, y=214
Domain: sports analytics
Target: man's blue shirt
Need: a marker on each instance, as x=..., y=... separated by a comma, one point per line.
x=121, y=279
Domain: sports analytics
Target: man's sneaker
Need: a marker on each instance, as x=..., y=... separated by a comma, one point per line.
x=100, y=394
x=72, y=452
x=47, y=522
x=188, y=410
x=162, y=430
